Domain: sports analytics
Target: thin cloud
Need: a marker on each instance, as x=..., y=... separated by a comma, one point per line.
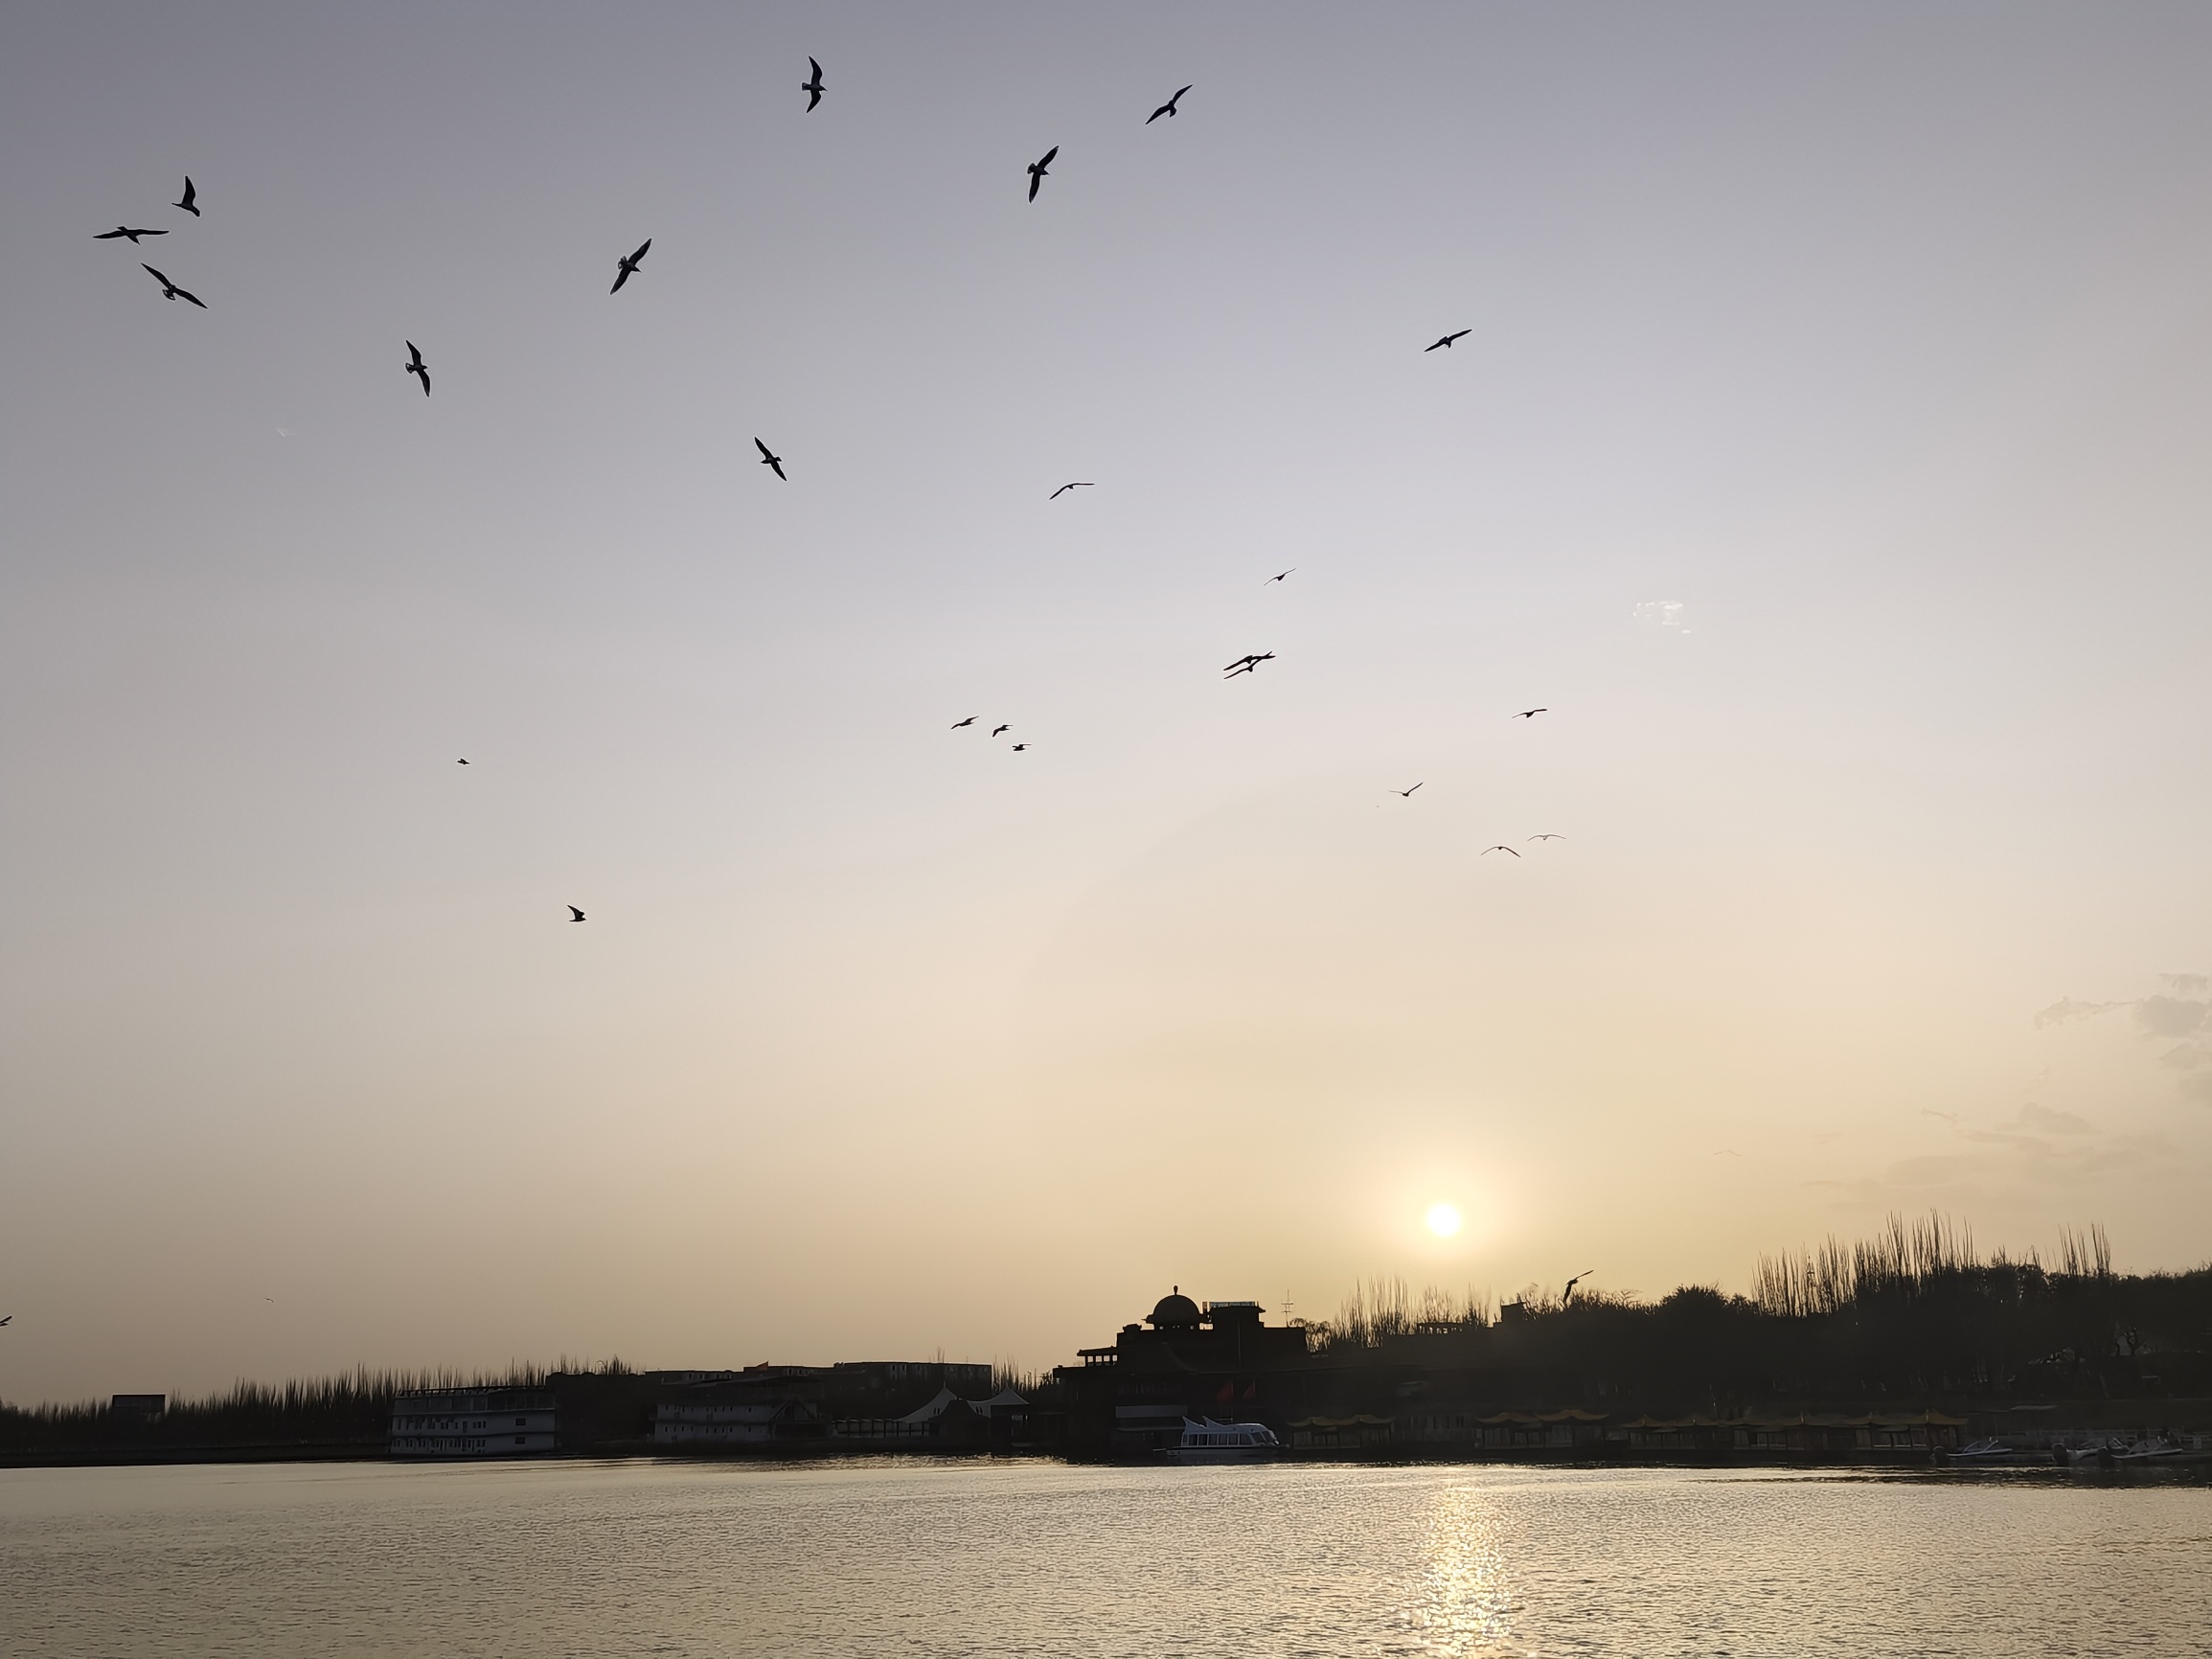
x=2048, y=1122
x=2170, y=1016
x=2187, y=1014
x=2068, y=1008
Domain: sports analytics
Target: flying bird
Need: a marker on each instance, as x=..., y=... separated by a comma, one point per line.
x=1547, y=837
x=1244, y=664
x=1278, y=578
x=1528, y=713
x=9, y=1319
x=190, y=197
x=969, y=721
x=1449, y=338
x=127, y=231
x=1501, y=847
x=1567, y=1295
x=813, y=88
x=1408, y=792
x=170, y=290
x=1080, y=484
x=1036, y=169
x=769, y=459
x=1167, y=110
x=1018, y=747
x=461, y=763
x=574, y=914
x=625, y=269
x=416, y=368
x=996, y=730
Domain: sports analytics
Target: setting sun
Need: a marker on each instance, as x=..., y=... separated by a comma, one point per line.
x=1443, y=1220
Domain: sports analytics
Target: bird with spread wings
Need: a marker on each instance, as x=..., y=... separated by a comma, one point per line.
x=627, y=268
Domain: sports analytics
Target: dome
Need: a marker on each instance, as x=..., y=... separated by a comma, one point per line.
x=1174, y=1309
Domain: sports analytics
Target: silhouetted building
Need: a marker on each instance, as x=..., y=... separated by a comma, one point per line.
x=759, y=1406
x=1221, y=1360
x=472, y=1422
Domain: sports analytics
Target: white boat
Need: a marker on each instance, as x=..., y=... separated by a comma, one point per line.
x=2102, y=1452
x=2156, y=1449
x=1994, y=1452
x=1207, y=1442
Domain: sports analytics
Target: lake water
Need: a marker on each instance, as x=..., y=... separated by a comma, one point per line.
x=551, y=1560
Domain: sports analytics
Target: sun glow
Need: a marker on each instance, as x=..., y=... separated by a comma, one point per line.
x=1443, y=1220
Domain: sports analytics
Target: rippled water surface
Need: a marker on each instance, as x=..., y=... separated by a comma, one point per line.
x=532, y=1561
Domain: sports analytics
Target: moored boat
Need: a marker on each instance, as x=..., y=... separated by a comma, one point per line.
x=1994, y=1453
x=1207, y=1442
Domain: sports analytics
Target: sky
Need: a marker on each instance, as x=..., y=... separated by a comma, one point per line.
x=1825, y=455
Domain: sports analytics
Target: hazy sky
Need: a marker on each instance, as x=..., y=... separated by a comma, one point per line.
x=1828, y=454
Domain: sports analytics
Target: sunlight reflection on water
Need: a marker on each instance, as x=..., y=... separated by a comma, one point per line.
x=1461, y=1604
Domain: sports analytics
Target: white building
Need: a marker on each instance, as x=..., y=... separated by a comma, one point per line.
x=472, y=1422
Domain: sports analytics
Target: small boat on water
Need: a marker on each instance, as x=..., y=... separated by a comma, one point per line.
x=1995, y=1453
x=2157, y=1449
x=2118, y=1453
x=2099, y=1452
x=1207, y=1442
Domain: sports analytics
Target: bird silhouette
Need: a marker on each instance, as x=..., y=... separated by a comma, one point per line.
x=1244, y=664
x=190, y=197
x=1501, y=847
x=1036, y=170
x=813, y=88
x=170, y=290
x=1528, y=713
x=127, y=231
x=1167, y=110
x=1449, y=338
x=1278, y=578
x=625, y=269
x=1080, y=484
x=461, y=763
x=8, y=1320
x=1567, y=1295
x=996, y=730
x=1547, y=837
x=969, y=721
x=1408, y=792
x=1018, y=747
x=772, y=461
x=574, y=914
x=416, y=368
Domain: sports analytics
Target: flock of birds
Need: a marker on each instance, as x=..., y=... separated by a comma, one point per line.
x=627, y=266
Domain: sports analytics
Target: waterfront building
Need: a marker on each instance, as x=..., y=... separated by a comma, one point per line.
x=762, y=1405
x=1184, y=1361
x=472, y=1422
x=739, y=1420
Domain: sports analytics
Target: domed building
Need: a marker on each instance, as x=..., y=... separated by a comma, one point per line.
x=1183, y=1360
x=1174, y=1311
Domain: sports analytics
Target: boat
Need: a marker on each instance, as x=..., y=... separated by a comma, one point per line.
x=2157, y=1449
x=2101, y=1452
x=1995, y=1453
x=1207, y=1442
